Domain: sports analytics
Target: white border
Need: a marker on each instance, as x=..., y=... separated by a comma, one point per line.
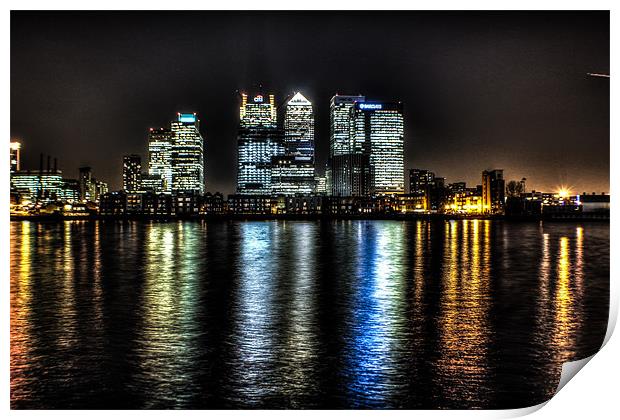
x=593, y=394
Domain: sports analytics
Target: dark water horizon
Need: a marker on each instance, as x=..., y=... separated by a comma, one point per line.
x=301, y=314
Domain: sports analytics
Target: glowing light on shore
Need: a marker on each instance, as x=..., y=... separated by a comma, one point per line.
x=563, y=192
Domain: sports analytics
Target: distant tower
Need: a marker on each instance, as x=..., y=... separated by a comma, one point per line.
x=160, y=158
x=299, y=127
x=258, y=141
x=377, y=129
x=343, y=164
x=87, y=184
x=294, y=172
x=339, y=118
x=131, y=173
x=187, y=154
x=15, y=156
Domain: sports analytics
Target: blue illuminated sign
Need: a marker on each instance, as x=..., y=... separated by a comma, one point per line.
x=370, y=106
x=258, y=98
x=187, y=118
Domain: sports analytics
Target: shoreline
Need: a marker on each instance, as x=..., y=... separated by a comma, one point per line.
x=591, y=217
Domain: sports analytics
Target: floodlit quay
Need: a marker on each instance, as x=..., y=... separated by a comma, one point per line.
x=399, y=207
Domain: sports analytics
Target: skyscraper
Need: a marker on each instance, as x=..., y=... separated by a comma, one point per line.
x=493, y=191
x=187, y=158
x=87, y=184
x=378, y=127
x=160, y=159
x=339, y=115
x=299, y=127
x=15, y=156
x=294, y=172
x=259, y=140
x=343, y=165
x=131, y=173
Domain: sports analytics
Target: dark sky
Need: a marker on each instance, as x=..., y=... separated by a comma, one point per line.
x=480, y=89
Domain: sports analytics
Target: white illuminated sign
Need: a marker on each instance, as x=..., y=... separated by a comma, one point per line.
x=370, y=106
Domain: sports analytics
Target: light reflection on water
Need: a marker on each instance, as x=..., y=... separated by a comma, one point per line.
x=377, y=327
x=355, y=314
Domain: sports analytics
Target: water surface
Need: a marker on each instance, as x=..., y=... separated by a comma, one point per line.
x=281, y=314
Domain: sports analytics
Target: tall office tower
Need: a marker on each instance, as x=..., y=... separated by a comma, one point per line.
x=259, y=140
x=160, y=160
x=341, y=159
x=493, y=191
x=420, y=181
x=377, y=129
x=339, y=117
x=294, y=173
x=187, y=156
x=15, y=156
x=132, y=169
x=299, y=127
x=87, y=184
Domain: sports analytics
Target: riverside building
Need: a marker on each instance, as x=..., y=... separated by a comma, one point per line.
x=493, y=191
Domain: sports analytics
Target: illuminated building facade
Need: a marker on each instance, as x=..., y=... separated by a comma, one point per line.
x=39, y=186
x=320, y=185
x=292, y=175
x=101, y=188
x=71, y=189
x=132, y=170
x=259, y=140
x=160, y=160
x=377, y=129
x=493, y=191
x=464, y=202
x=340, y=171
x=299, y=127
x=152, y=183
x=457, y=187
x=346, y=173
x=15, y=156
x=328, y=177
x=187, y=154
x=420, y=181
x=87, y=184
x=339, y=123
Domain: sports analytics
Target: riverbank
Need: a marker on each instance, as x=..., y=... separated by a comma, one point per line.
x=398, y=216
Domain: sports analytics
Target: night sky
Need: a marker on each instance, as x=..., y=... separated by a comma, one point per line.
x=481, y=90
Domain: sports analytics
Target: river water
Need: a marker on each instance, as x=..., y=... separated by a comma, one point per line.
x=294, y=314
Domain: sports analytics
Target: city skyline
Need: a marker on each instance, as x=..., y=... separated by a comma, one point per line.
x=492, y=97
